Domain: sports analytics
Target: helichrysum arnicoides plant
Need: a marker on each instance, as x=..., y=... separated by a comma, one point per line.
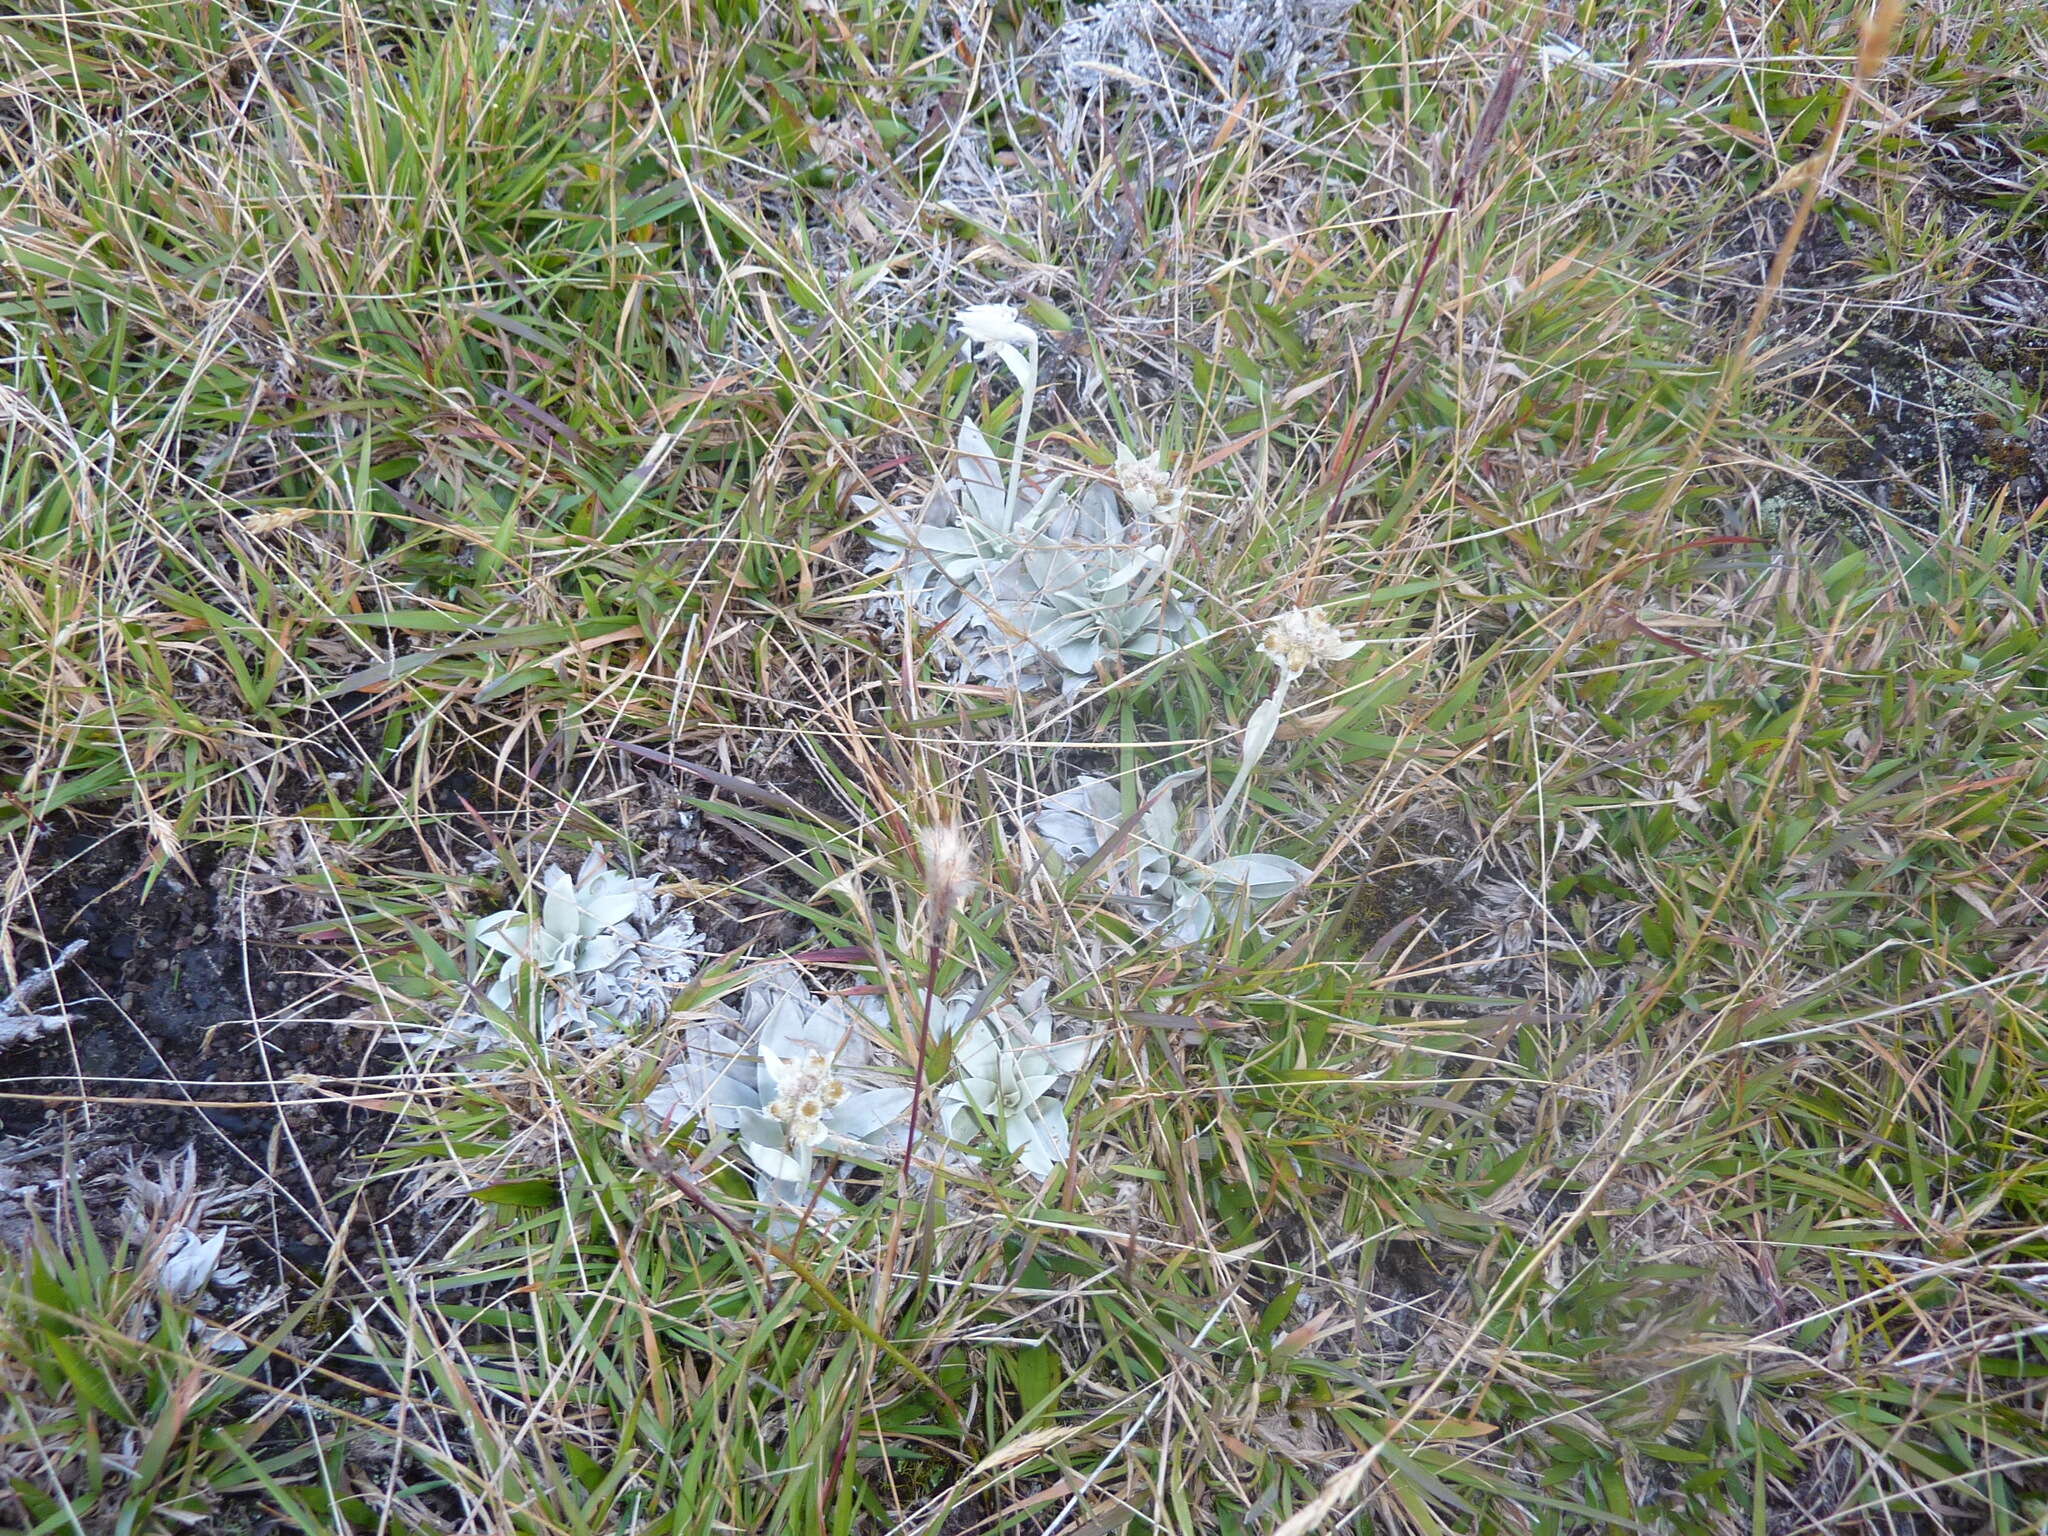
x=1156, y=868
x=1033, y=581
x=790, y=1077
x=799, y=1084
x=1007, y=1069
x=1300, y=641
x=604, y=954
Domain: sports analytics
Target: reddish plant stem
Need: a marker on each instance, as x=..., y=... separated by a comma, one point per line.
x=1491, y=117
x=941, y=918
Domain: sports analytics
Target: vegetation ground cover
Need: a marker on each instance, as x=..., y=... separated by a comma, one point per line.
x=442, y=442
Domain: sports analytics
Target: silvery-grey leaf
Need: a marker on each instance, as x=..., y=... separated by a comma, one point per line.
x=671, y=947
x=981, y=1092
x=1080, y=658
x=956, y=1110
x=559, y=914
x=1263, y=877
x=892, y=536
x=1077, y=821
x=790, y=1201
x=862, y=1115
x=1095, y=519
x=1191, y=918
x=774, y=1008
x=1070, y=1056
x=1038, y=1138
x=1112, y=584
x=606, y=901
x=547, y=954
x=834, y=1032
x=1043, y=511
x=715, y=1079
x=1032, y=1076
x=1148, y=645
x=977, y=1050
x=1160, y=826
x=508, y=933
x=189, y=1265
x=762, y=1140
x=1258, y=731
x=1045, y=575
x=980, y=476
x=594, y=954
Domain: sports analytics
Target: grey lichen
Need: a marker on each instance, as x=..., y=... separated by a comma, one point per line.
x=1180, y=60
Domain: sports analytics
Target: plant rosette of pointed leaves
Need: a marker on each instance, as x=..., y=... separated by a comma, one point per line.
x=792, y=1082
x=1040, y=589
x=605, y=954
x=1007, y=1069
x=1153, y=874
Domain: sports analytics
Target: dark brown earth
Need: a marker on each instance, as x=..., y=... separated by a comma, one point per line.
x=1925, y=401
x=187, y=1030
x=1932, y=421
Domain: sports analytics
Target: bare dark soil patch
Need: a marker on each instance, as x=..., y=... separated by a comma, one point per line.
x=1446, y=920
x=1927, y=401
x=210, y=1007
x=192, y=1026
x=1930, y=421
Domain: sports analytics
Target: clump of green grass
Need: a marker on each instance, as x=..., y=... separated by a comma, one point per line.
x=122, y=1409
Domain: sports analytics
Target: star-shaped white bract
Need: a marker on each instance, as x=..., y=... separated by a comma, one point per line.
x=994, y=325
x=1145, y=484
x=1303, y=640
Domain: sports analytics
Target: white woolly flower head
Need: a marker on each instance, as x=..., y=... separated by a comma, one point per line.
x=993, y=326
x=1302, y=640
x=1146, y=485
x=1008, y=1068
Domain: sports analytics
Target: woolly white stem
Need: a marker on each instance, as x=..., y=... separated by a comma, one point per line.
x=1027, y=377
x=1258, y=735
